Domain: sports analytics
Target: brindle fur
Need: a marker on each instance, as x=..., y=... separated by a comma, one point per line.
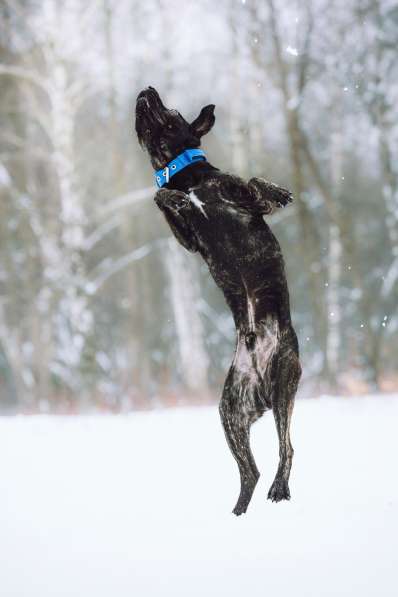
x=221, y=217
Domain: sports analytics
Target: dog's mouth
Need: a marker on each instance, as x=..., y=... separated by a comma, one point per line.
x=150, y=113
x=150, y=99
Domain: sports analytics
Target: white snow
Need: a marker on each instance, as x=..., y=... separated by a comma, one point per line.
x=139, y=505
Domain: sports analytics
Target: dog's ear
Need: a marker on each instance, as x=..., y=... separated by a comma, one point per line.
x=204, y=122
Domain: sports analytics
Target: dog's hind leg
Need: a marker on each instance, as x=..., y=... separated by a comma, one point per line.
x=237, y=434
x=287, y=372
x=238, y=410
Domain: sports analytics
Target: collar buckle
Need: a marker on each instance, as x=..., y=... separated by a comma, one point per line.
x=166, y=173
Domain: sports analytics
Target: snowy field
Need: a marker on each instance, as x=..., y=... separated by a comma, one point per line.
x=140, y=505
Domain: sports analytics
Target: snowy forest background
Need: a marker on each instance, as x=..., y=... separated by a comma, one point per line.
x=99, y=306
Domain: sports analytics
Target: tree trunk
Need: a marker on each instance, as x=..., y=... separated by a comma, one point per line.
x=239, y=156
x=184, y=294
x=311, y=250
x=333, y=347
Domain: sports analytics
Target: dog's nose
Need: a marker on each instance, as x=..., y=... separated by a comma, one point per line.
x=145, y=91
x=151, y=92
x=149, y=98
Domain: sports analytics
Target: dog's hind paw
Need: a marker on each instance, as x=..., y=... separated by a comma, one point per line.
x=238, y=510
x=241, y=506
x=245, y=496
x=279, y=490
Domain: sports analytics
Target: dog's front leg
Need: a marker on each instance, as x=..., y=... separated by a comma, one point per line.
x=267, y=196
x=172, y=204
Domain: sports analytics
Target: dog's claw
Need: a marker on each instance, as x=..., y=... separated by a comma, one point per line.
x=285, y=198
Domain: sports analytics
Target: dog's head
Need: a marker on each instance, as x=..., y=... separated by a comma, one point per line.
x=165, y=133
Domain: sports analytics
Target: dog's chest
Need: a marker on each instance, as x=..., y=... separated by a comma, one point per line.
x=198, y=203
x=215, y=207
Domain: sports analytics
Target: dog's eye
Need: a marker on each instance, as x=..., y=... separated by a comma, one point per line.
x=170, y=126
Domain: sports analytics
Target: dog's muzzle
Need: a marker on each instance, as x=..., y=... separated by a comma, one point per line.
x=149, y=101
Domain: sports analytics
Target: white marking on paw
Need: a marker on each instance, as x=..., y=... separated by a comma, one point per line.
x=197, y=202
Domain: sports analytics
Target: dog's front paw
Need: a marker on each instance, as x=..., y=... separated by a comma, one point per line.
x=279, y=490
x=284, y=197
x=270, y=193
x=174, y=200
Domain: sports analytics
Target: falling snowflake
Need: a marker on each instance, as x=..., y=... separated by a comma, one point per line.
x=292, y=51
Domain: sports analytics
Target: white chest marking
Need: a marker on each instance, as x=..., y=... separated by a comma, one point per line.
x=197, y=202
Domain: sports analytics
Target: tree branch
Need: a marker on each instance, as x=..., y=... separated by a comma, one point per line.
x=23, y=73
x=127, y=200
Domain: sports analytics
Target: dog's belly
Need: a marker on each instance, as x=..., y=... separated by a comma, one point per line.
x=251, y=296
x=245, y=260
x=254, y=285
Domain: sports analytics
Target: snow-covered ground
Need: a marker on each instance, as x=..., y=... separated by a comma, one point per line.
x=139, y=505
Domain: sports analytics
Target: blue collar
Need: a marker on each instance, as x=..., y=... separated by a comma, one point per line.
x=183, y=160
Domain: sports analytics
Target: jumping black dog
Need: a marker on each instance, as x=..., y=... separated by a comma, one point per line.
x=221, y=217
